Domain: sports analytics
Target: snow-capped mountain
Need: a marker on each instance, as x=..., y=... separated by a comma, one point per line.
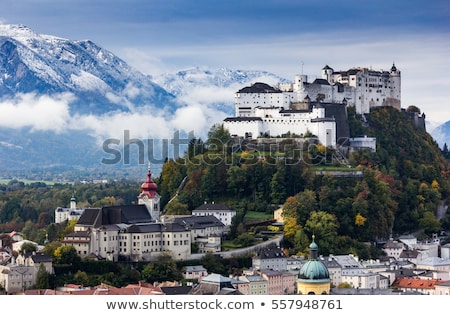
x=61, y=100
x=213, y=87
x=100, y=81
x=441, y=134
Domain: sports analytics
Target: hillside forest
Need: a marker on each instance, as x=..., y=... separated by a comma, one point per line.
x=392, y=191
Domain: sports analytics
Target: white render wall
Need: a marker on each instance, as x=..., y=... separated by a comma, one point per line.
x=363, y=89
x=276, y=124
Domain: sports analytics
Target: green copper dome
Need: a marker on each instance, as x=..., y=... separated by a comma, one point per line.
x=314, y=269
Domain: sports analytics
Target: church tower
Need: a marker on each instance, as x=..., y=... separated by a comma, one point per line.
x=73, y=203
x=313, y=277
x=149, y=196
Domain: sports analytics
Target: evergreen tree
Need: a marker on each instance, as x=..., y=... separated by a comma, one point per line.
x=42, y=278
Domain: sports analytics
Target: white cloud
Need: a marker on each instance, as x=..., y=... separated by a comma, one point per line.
x=36, y=112
x=51, y=113
x=197, y=119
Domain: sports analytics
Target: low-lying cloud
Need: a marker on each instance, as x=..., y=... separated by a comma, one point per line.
x=52, y=113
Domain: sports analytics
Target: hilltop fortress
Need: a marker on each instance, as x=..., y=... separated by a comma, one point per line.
x=313, y=108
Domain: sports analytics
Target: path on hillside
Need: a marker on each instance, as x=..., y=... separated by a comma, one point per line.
x=180, y=187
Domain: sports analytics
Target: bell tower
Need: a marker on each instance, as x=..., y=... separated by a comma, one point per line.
x=150, y=197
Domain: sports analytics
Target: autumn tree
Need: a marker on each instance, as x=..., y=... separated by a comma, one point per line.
x=66, y=254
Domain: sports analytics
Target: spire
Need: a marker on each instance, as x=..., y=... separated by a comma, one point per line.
x=149, y=187
x=313, y=249
x=393, y=68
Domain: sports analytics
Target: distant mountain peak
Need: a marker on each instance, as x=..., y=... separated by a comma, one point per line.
x=90, y=94
x=50, y=64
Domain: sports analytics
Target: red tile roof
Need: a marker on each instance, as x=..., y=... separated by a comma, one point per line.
x=413, y=283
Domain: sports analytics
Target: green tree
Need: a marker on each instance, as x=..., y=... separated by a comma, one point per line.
x=172, y=175
x=307, y=203
x=429, y=223
x=236, y=180
x=324, y=226
x=213, y=263
x=245, y=240
x=163, y=269
x=28, y=247
x=175, y=207
x=81, y=278
x=218, y=139
x=278, y=192
x=66, y=254
x=42, y=278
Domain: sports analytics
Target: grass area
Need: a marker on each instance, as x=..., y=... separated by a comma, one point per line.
x=229, y=245
x=252, y=216
x=5, y=181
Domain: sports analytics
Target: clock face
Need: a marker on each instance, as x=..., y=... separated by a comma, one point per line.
x=145, y=197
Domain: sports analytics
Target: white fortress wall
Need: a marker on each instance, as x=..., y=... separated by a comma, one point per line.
x=247, y=128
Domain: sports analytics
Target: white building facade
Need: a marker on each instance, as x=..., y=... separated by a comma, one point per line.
x=68, y=214
x=220, y=211
x=298, y=107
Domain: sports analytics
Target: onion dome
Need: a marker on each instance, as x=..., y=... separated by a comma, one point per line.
x=393, y=68
x=314, y=270
x=149, y=187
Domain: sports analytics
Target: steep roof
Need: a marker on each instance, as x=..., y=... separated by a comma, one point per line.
x=41, y=257
x=213, y=207
x=215, y=284
x=259, y=87
x=321, y=82
x=128, y=214
x=271, y=253
x=416, y=283
x=177, y=290
x=243, y=119
x=199, y=222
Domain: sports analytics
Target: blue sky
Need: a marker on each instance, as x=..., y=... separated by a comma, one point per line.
x=285, y=37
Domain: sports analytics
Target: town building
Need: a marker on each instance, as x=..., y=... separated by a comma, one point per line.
x=196, y=272
x=138, y=232
x=270, y=258
x=20, y=273
x=362, y=143
x=252, y=284
x=276, y=283
x=222, y=212
x=442, y=288
x=68, y=214
x=215, y=284
x=417, y=286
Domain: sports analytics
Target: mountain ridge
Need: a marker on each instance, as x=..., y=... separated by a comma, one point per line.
x=48, y=64
x=93, y=93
